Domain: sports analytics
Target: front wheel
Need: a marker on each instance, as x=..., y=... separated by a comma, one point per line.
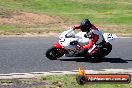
x=54, y=53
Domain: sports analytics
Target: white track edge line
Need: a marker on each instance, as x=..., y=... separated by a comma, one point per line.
x=40, y=74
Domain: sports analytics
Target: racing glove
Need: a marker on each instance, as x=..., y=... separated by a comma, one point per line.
x=76, y=27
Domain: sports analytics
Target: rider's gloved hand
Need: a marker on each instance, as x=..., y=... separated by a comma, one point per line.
x=76, y=27
x=73, y=27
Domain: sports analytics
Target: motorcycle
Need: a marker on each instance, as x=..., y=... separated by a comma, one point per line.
x=69, y=43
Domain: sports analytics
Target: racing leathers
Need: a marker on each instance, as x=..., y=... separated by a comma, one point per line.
x=95, y=39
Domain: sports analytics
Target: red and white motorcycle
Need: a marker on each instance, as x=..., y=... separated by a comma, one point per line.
x=69, y=42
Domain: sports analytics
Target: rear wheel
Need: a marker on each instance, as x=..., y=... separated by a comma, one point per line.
x=106, y=49
x=54, y=53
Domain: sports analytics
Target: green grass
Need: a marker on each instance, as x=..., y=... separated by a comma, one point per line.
x=108, y=12
x=58, y=81
x=4, y=29
x=69, y=81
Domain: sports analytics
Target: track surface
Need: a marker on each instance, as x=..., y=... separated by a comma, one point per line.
x=20, y=55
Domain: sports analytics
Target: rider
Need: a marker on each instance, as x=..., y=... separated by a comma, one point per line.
x=93, y=33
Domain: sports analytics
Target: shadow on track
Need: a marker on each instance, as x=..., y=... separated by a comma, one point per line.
x=100, y=60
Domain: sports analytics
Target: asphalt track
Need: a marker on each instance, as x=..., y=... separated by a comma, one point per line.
x=23, y=55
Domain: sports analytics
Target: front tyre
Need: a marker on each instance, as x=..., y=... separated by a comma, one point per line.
x=53, y=53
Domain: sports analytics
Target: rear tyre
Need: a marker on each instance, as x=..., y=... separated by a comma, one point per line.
x=106, y=49
x=53, y=53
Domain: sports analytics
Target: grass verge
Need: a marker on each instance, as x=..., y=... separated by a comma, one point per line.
x=57, y=81
x=111, y=16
